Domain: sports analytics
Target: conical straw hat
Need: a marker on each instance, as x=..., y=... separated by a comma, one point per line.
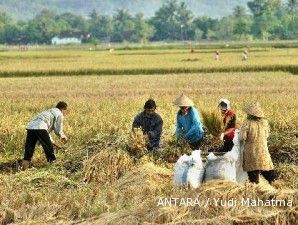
x=183, y=100
x=254, y=109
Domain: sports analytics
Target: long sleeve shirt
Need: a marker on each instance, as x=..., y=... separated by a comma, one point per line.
x=50, y=120
x=150, y=125
x=191, y=125
x=229, y=120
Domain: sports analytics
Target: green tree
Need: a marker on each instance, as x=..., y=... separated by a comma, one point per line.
x=142, y=30
x=42, y=28
x=206, y=25
x=264, y=19
x=75, y=23
x=4, y=21
x=101, y=27
x=123, y=26
x=291, y=19
x=242, y=24
x=172, y=21
x=292, y=6
x=224, y=29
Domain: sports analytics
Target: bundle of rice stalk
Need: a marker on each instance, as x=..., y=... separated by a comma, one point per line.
x=137, y=143
x=107, y=166
x=7, y=217
x=213, y=122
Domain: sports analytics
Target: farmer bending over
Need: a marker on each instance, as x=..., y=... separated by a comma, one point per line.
x=39, y=129
x=188, y=122
x=150, y=123
x=254, y=134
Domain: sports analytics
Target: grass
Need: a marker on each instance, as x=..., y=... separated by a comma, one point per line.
x=95, y=179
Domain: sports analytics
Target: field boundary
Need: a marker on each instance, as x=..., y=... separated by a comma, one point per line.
x=293, y=69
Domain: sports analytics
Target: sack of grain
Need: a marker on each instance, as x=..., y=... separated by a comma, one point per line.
x=220, y=168
x=181, y=169
x=237, y=154
x=228, y=166
x=196, y=171
x=189, y=170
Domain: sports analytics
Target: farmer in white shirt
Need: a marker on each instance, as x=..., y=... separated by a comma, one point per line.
x=39, y=129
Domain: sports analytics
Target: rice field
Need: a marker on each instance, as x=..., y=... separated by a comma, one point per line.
x=95, y=179
x=84, y=62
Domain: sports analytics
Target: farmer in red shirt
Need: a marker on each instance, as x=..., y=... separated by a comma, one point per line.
x=229, y=119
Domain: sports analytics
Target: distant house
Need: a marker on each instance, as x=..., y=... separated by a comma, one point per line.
x=66, y=40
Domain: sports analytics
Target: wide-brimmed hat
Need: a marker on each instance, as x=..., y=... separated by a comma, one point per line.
x=183, y=100
x=254, y=109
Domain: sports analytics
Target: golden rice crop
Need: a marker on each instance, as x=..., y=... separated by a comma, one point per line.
x=213, y=122
x=98, y=125
x=107, y=166
x=81, y=62
x=137, y=143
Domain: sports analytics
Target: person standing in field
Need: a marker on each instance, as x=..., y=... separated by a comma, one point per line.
x=188, y=122
x=229, y=120
x=39, y=129
x=151, y=124
x=217, y=54
x=254, y=134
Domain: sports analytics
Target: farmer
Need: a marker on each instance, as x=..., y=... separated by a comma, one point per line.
x=244, y=55
x=254, y=134
x=39, y=129
x=217, y=53
x=151, y=124
x=229, y=120
x=188, y=122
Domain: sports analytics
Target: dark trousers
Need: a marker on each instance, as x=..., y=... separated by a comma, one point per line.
x=254, y=176
x=44, y=138
x=153, y=144
x=196, y=145
x=228, y=145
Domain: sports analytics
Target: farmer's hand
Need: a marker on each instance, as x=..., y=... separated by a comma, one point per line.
x=147, y=138
x=222, y=136
x=64, y=139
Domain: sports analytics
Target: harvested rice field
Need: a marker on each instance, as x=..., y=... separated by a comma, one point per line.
x=97, y=179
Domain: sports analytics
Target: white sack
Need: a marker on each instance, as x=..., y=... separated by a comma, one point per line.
x=220, y=168
x=181, y=169
x=189, y=170
x=195, y=172
x=237, y=153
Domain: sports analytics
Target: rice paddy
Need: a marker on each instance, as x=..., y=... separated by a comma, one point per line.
x=96, y=178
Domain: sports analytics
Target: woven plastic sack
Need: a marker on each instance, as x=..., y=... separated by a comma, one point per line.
x=196, y=170
x=181, y=169
x=220, y=168
x=237, y=154
x=189, y=170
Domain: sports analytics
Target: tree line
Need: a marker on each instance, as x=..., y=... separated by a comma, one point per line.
x=173, y=21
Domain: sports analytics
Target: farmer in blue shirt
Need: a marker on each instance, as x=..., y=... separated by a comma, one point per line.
x=188, y=122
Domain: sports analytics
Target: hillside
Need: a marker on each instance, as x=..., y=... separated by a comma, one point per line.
x=25, y=9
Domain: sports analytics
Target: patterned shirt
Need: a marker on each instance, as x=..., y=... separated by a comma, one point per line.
x=229, y=120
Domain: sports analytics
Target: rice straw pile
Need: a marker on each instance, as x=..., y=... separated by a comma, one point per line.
x=149, y=212
x=137, y=143
x=107, y=166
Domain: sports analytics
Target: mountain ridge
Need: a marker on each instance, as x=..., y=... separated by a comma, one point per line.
x=26, y=9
